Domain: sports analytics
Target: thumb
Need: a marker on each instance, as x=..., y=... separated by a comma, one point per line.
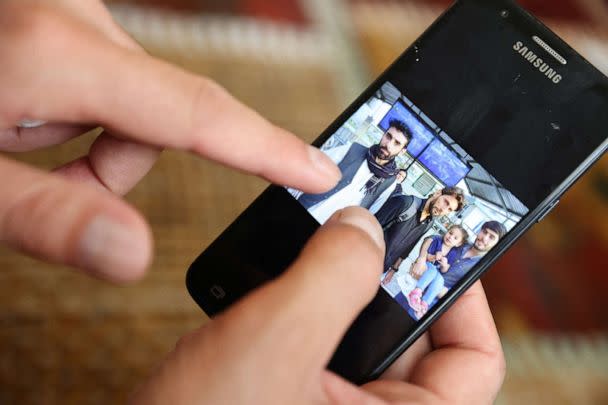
x=303, y=314
x=273, y=344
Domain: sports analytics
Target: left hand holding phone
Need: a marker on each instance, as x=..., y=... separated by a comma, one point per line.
x=272, y=346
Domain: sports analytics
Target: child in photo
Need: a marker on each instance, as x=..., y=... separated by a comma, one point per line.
x=436, y=256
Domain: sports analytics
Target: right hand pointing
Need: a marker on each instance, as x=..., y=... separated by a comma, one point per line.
x=67, y=63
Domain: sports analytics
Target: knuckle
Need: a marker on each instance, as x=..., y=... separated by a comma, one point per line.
x=207, y=93
x=209, y=90
x=496, y=367
x=22, y=28
x=32, y=34
x=184, y=342
x=207, y=99
x=30, y=22
x=195, y=343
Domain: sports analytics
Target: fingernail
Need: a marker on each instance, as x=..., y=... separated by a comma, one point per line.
x=28, y=123
x=363, y=220
x=113, y=250
x=324, y=164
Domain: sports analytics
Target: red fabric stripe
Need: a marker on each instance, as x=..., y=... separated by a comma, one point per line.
x=281, y=10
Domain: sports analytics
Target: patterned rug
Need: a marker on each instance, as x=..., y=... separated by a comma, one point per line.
x=70, y=340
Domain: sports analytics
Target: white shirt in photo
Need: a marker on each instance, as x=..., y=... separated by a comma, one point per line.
x=350, y=195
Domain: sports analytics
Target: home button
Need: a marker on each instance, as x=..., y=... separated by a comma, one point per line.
x=217, y=292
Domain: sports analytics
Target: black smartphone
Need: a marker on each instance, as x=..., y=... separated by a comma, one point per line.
x=467, y=140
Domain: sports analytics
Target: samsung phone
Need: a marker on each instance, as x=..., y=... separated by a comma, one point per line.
x=467, y=140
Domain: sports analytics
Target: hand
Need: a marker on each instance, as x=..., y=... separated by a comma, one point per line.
x=273, y=345
x=444, y=264
x=66, y=62
x=418, y=268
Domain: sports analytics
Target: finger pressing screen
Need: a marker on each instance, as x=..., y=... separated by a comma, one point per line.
x=179, y=110
x=148, y=101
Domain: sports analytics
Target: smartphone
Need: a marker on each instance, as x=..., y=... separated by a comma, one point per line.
x=466, y=141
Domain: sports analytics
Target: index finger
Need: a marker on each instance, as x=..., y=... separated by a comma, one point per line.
x=467, y=362
x=149, y=101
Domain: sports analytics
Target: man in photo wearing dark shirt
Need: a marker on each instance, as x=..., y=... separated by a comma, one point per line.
x=489, y=235
x=406, y=218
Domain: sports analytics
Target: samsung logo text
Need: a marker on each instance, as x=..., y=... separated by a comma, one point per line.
x=537, y=62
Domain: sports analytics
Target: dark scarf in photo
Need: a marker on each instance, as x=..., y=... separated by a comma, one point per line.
x=380, y=173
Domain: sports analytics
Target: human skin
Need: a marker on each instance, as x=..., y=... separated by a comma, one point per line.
x=67, y=63
x=392, y=143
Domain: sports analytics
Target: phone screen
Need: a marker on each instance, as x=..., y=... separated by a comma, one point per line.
x=441, y=211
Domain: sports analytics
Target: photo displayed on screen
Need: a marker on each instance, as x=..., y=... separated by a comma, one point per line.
x=440, y=210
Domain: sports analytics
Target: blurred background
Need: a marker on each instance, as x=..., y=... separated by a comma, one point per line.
x=67, y=339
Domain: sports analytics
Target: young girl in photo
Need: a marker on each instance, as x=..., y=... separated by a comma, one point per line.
x=436, y=255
